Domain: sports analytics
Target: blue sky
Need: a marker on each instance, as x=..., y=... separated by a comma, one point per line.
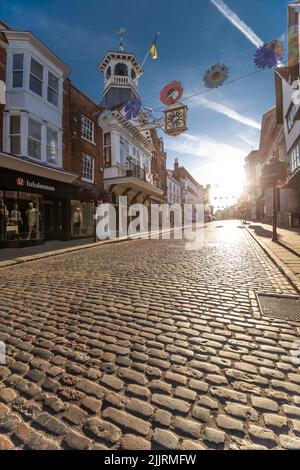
x=195, y=34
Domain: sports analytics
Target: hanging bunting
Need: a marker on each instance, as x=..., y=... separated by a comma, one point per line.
x=105, y=118
x=133, y=108
x=216, y=76
x=171, y=93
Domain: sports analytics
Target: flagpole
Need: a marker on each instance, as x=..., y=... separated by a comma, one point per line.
x=147, y=55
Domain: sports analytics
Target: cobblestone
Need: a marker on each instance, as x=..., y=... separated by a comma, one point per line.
x=146, y=344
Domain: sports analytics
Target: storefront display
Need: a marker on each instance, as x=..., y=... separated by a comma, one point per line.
x=34, y=209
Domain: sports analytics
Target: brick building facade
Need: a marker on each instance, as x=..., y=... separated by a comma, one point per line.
x=158, y=163
x=77, y=106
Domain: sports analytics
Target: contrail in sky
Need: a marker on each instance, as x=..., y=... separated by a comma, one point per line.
x=238, y=23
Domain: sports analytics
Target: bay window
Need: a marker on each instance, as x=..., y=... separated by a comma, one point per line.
x=18, y=63
x=36, y=77
x=15, y=135
x=52, y=95
x=107, y=149
x=34, y=139
x=52, y=146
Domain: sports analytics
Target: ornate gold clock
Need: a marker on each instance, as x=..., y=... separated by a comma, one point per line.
x=176, y=119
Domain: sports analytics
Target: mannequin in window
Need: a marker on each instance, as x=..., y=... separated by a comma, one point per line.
x=3, y=218
x=32, y=215
x=77, y=221
x=16, y=216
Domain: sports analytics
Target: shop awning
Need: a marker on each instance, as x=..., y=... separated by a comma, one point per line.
x=23, y=165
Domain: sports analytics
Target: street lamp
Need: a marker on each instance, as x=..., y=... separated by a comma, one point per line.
x=272, y=173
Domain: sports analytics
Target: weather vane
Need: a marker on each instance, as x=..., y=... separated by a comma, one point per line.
x=121, y=33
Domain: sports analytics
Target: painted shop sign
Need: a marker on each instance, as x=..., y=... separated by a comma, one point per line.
x=33, y=184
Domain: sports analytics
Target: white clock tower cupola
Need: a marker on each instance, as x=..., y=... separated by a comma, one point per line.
x=121, y=72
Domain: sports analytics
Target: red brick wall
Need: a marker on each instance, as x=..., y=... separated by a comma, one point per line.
x=3, y=59
x=76, y=104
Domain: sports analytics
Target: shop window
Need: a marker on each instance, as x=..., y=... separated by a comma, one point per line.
x=87, y=129
x=82, y=219
x=88, y=165
x=3, y=217
x=107, y=149
x=52, y=146
x=36, y=77
x=15, y=135
x=18, y=64
x=53, y=84
x=30, y=219
x=34, y=139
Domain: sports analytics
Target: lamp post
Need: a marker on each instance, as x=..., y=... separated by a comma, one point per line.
x=272, y=173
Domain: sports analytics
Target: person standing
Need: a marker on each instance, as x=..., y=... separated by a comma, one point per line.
x=77, y=221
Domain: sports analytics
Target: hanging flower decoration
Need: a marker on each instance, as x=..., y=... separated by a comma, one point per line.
x=105, y=118
x=267, y=56
x=133, y=108
x=171, y=93
x=216, y=76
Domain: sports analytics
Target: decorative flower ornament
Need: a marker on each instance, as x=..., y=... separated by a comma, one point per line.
x=171, y=93
x=267, y=56
x=105, y=118
x=133, y=108
x=216, y=76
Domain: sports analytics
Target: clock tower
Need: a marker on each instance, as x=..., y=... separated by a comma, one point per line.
x=121, y=72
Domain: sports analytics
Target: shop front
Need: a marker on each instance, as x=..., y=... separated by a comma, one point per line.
x=34, y=209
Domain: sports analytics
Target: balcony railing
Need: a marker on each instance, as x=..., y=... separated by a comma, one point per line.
x=135, y=171
x=120, y=81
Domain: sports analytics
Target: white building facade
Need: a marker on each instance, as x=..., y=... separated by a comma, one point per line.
x=34, y=100
x=173, y=189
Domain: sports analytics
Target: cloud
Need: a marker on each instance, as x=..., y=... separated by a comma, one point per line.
x=238, y=23
x=225, y=110
x=73, y=39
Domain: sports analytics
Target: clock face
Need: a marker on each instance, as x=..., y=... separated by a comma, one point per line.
x=176, y=120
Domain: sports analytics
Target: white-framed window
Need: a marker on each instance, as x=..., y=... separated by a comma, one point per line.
x=36, y=77
x=53, y=89
x=88, y=168
x=124, y=150
x=52, y=146
x=294, y=157
x=290, y=117
x=18, y=65
x=87, y=129
x=15, y=134
x=34, y=139
x=107, y=149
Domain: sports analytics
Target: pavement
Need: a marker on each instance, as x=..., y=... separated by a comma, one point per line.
x=285, y=253
x=149, y=344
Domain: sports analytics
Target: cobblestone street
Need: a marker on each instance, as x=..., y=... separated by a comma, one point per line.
x=148, y=345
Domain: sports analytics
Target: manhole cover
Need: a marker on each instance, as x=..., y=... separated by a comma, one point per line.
x=280, y=307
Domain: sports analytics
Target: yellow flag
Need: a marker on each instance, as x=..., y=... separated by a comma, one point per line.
x=153, y=51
